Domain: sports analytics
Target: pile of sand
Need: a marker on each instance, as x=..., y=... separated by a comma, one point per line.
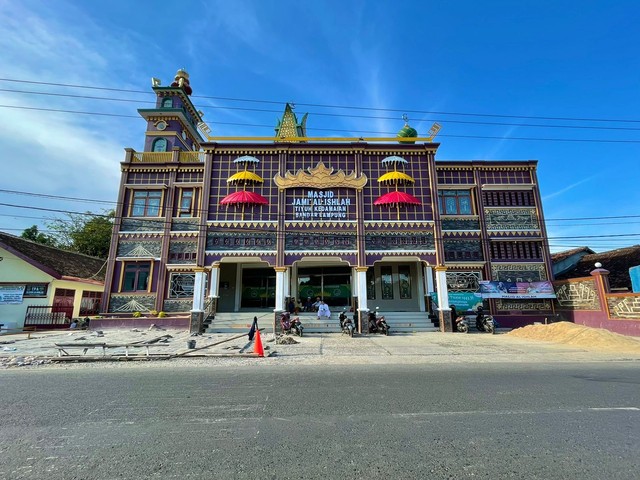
x=580, y=336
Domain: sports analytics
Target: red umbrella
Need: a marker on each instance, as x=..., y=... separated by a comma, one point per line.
x=397, y=198
x=244, y=198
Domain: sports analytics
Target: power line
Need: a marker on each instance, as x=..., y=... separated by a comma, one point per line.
x=324, y=114
x=320, y=105
x=486, y=137
x=87, y=200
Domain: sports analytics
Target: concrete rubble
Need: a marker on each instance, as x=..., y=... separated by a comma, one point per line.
x=82, y=349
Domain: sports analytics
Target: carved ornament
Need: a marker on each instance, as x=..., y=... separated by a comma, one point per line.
x=321, y=177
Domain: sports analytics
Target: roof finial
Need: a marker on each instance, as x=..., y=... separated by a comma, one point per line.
x=405, y=117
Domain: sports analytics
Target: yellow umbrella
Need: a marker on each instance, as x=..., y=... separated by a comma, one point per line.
x=396, y=177
x=244, y=177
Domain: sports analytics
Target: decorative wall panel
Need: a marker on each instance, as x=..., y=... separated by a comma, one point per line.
x=507, y=272
x=581, y=295
x=511, y=219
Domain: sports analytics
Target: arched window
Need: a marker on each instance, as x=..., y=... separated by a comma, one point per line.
x=159, y=145
x=167, y=103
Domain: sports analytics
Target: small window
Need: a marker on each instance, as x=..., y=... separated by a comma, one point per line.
x=455, y=202
x=167, y=103
x=146, y=203
x=186, y=203
x=181, y=285
x=136, y=277
x=159, y=145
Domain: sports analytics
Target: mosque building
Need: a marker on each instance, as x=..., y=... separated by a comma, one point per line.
x=210, y=225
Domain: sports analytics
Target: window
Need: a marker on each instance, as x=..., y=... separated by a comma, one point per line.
x=515, y=198
x=455, y=202
x=90, y=303
x=371, y=284
x=181, y=285
x=167, y=103
x=185, y=208
x=146, y=203
x=386, y=282
x=404, y=277
x=35, y=290
x=136, y=277
x=159, y=145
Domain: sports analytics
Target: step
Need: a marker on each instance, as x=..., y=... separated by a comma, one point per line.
x=237, y=322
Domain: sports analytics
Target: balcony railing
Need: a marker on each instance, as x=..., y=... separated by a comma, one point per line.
x=151, y=157
x=166, y=157
x=192, y=157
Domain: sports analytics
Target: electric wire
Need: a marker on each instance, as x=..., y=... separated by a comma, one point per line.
x=325, y=114
x=320, y=105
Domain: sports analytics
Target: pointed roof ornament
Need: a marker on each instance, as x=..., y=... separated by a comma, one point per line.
x=288, y=126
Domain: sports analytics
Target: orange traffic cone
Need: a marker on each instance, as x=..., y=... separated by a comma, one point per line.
x=257, y=346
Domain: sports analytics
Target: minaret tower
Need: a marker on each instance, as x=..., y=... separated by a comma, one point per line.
x=174, y=120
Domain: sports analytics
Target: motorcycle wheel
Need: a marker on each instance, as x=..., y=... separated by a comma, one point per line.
x=463, y=328
x=351, y=333
x=490, y=328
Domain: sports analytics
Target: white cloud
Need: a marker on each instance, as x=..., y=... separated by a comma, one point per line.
x=57, y=153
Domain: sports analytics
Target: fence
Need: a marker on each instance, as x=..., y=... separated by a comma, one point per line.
x=588, y=301
x=48, y=316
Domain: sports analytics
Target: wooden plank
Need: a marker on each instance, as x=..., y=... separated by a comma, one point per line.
x=182, y=354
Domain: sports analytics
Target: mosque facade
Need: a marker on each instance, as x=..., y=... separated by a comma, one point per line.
x=207, y=225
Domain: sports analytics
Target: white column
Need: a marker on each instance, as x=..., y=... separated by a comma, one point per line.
x=287, y=283
x=441, y=285
x=198, y=292
x=214, y=283
x=362, y=288
x=420, y=285
x=280, y=293
x=428, y=278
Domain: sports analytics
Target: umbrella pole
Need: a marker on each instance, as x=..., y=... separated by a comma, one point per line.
x=242, y=218
x=398, y=209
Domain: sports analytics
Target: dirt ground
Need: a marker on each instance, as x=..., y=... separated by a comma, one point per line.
x=567, y=333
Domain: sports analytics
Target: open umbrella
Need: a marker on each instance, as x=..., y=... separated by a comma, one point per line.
x=245, y=177
x=244, y=198
x=397, y=198
x=246, y=159
x=396, y=177
x=393, y=159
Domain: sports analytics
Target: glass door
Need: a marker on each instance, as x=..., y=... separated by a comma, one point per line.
x=331, y=284
x=258, y=288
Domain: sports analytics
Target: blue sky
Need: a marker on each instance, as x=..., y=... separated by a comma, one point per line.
x=562, y=59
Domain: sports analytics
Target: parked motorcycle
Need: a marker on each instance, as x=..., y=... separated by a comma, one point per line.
x=346, y=324
x=378, y=324
x=485, y=323
x=462, y=325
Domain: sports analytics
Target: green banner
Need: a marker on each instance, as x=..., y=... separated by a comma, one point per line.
x=462, y=300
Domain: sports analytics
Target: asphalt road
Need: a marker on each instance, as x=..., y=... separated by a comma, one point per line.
x=555, y=421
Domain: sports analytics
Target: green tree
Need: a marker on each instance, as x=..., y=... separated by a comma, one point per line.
x=84, y=233
x=34, y=235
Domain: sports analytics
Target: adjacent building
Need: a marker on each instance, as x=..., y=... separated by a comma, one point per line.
x=45, y=287
x=227, y=225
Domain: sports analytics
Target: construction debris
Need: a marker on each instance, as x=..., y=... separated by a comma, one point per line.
x=286, y=340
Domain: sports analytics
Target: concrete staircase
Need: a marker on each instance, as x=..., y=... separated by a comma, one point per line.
x=408, y=322
x=240, y=322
